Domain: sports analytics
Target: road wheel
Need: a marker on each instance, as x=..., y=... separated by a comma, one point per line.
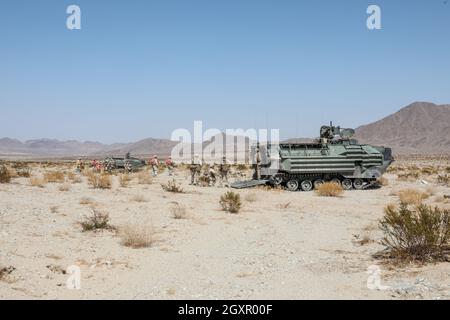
x=358, y=184
x=292, y=185
x=276, y=180
x=318, y=183
x=347, y=184
x=306, y=185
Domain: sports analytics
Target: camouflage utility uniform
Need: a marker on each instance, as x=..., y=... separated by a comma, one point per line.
x=196, y=168
x=224, y=168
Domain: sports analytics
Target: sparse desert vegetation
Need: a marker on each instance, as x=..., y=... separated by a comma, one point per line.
x=38, y=181
x=421, y=233
x=124, y=180
x=96, y=221
x=172, y=186
x=144, y=177
x=100, y=181
x=54, y=176
x=329, y=189
x=412, y=196
x=5, y=175
x=137, y=236
x=231, y=202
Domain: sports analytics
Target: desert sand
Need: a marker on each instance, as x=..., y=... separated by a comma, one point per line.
x=281, y=245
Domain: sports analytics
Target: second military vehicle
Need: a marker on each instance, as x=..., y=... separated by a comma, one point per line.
x=335, y=157
x=126, y=163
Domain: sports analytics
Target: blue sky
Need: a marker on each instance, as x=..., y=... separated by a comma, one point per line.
x=141, y=69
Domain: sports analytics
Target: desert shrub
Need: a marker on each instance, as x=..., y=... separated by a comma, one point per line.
x=54, y=176
x=178, y=211
x=64, y=187
x=5, y=174
x=429, y=170
x=411, y=175
x=172, y=186
x=97, y=221
x=144, y=178
x=137, y=236
x=54, y=209
x=5, y=272
x=444, y=179
x=231, y=202
x=412, y=196
x=100, y=181
x=21, y=169
x=38, y=181
x=421, y=233
x=382, y=181
x=124, y=180
x=329, y=189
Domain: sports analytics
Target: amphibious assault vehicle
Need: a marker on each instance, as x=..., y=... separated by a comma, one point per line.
x=127, y=163
x=335, y=157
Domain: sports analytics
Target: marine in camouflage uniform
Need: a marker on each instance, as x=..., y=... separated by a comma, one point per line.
x=224, y=169
x=80, y=165
x=196, y=168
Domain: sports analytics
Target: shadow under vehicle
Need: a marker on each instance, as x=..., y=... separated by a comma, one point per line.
x=334, y=157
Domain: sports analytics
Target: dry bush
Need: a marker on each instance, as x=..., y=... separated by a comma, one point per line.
x=54, y=176
x=172, y=186
x=429, y=170
x=100, y=181
x=251, y=197
x=97, y=221
x=329, y=189
x=420, y=234
x=54, y=209
x=144, y=177
x=231, y=202
x=139, y=198
x=408, y=176
x=64, y=187
x=444, y=179
x=412, y=196
x=5, y=174
x=38, y=181
x=382, y=181
x=137, y=236
x=21, y=169
x=124, y=180
x=178, y=211
x=5, y=272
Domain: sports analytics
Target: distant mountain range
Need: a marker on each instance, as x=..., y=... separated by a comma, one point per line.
x=418, y=128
